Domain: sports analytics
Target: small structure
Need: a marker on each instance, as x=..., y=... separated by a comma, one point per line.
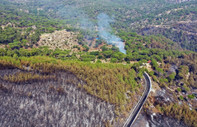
x=149, y=61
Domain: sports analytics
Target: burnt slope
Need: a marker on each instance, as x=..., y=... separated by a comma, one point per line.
x=56, y=102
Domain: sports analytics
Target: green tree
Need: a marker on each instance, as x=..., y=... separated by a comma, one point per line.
x=2, y=52
x=171, y=77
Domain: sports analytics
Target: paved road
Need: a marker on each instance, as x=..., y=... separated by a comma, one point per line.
x=131, y=119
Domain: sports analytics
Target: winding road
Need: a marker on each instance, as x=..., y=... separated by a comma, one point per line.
x=132, y=117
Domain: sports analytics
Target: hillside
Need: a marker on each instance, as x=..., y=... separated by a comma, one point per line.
x=63, y=40
x=173, y=71
x=81, y=63
x=34, y=87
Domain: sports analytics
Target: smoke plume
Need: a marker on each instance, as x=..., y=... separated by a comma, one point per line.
x=105, y=32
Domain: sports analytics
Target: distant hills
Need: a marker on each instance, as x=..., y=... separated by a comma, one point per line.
x=170, y=18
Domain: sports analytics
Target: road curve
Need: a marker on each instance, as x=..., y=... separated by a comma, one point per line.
x=132, y=117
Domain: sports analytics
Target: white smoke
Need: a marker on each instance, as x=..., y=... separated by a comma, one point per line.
x=105, y=32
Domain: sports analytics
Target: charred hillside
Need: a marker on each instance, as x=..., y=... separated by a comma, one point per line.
x=42, y=91
x=50, y=102
x=184, y=34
